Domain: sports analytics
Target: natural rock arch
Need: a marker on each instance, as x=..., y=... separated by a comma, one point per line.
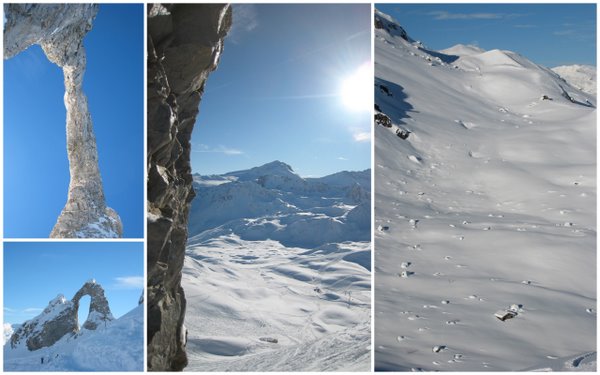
x=60, y=318
x=59, y=29
x=99, y=310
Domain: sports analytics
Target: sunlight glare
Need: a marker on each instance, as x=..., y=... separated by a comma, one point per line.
x=357, y=89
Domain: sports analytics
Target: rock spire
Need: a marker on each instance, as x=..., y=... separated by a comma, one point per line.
x=59, y=29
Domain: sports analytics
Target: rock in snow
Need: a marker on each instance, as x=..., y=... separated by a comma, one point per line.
x=59, y=29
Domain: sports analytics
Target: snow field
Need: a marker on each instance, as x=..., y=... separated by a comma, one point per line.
x=489, y=202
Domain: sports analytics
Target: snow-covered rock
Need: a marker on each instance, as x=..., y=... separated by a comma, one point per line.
x=60, y=318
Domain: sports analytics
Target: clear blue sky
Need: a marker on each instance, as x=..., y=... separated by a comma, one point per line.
x=276, y=94
x=36, y=272
x=36, y=172
x=547, y=34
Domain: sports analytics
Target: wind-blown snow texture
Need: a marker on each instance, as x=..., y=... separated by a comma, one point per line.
x=116, y=345
x=489, y=202
x=277, y=272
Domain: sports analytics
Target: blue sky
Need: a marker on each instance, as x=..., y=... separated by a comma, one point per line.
x=276, y=94
x=36, y=272
x=547, y=34
x=36, y=172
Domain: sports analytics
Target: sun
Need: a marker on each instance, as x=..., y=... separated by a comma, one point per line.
x=357, y=90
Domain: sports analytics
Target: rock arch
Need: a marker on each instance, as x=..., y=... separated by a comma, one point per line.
x=59, y=29
x=60, y=318
x=99, y=308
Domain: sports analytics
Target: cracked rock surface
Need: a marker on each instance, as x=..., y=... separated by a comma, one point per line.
x=59, y=29
x=184, y=45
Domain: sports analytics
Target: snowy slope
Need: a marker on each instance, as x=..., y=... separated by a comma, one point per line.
x=277, y=274
x=118, y=346
x=580, y=76
x=489, y=202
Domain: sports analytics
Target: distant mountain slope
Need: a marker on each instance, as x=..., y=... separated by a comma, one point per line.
x=485, y=197
x=580, y=76
x=272, y=202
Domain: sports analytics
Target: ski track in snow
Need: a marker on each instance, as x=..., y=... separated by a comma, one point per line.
x=243, y=295
x=277, y=273
x=499, y=210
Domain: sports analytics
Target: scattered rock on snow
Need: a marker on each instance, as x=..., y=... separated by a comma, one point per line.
x=271, y=340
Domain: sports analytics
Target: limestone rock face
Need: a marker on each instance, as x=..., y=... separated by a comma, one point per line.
x=59, y=29
x=184, y=45
x=60, y=318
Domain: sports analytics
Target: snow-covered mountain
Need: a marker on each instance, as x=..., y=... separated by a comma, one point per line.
x=273, y=202
x=485, y=179
x=277, y=272
x=9, y=329
x=53, y=340
x=580, y=76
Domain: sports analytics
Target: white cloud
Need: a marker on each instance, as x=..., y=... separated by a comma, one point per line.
x=341, y=158
x=219, y=149
x=245, y=20
x=444, y=15
x=129, y=282
x=564, y=32
x=362, y=136
x=30, y=310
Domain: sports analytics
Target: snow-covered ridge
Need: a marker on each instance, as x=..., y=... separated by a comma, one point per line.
x=273, y=202
x=485, y=186
x=580, y=76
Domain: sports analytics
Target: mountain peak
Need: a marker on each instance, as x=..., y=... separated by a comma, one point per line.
x=463, y=50
x=389, y=24
x=277, y=166
x=274, y=168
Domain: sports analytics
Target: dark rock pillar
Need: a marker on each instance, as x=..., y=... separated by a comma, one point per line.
x=184, y=45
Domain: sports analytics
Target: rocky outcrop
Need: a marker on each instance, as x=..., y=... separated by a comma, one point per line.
x=60, y=318
x=47, y=328
x=184, y=45
x=59, y=29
